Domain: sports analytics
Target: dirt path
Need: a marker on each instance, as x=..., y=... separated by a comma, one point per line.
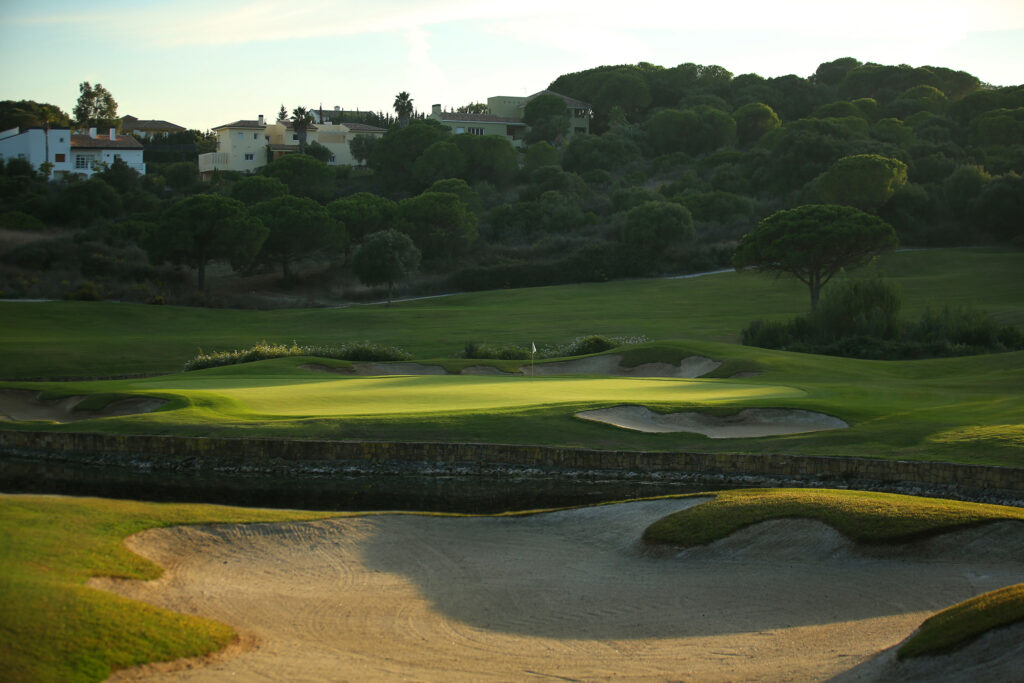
x=564, y=596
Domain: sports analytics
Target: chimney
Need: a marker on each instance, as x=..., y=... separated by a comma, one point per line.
x=113, y=133
x=92, y=133
x=435, y=110
x=261, y=120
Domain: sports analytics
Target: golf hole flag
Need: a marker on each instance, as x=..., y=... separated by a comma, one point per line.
x=533, y=347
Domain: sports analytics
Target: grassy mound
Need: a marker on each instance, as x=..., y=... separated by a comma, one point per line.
x=53, y=627
x=863, y=516
x=957, y=625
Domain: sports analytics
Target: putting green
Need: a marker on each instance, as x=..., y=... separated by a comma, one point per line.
x=267, y=398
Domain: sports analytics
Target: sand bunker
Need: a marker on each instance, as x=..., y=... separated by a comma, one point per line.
x=690, y=367
x=567, y=595
x=17, y=405
x=747, y=423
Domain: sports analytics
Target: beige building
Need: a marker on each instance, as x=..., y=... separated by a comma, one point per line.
x=505, y=117
x=247, y=145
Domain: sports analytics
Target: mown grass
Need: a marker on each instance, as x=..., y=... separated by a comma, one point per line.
x=101, y=339
x=53, y=627
x=958, y=409
x=963, y=622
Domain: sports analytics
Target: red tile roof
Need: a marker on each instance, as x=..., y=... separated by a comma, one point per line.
x=455, y=117
x=244, y=123
x=83, y=141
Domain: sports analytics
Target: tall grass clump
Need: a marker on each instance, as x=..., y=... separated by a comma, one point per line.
x=588, y=344
x=860, y=319
x=355, y=351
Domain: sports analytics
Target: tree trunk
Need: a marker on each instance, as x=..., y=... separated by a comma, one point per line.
x=389, y=294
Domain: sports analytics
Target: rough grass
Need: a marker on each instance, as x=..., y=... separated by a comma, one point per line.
x=963, y=622
x=53, y=627
x=112, y=339
x=863, y=516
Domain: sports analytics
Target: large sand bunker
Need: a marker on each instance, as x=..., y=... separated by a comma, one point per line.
x=611, y=364
x=747, y=423
x=18, y=405
x=689, y=367
x=567, y=595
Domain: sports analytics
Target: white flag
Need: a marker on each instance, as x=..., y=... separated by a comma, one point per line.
x=533, y=347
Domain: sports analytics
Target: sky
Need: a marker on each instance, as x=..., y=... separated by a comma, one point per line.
x=204, y=63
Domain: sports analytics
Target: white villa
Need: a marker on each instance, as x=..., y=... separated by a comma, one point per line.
x=80, y=153
x=247, y=145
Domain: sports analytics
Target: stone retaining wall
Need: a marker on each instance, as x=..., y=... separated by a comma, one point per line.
x=327, y=458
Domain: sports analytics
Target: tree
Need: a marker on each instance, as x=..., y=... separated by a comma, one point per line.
x=304, y=175
x=548, y=118
x=82, y=203
x=396, y=152
x=362, y=146
x=282, y=115
x=302, y=119
x=473, y=108
x=257, y=188
x=206, y=227
x=95, y=107
x=386, y=257
x=865, y=181
x=363, y=213
x=319, y=152
x=754, y=120
x=403, y=108
x=31, y=114
x=654, y=226
x=540, y=154
x=814, y=242
x=439, y=161
x=297, y=227
x=439, y=224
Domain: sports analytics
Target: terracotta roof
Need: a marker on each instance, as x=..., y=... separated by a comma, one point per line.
x=244, y=123
x=149, y=124
x=284, y=148
x=455, y=117
x=569, y=101
x=291, y=126
x=363, y=128
x=83, y=141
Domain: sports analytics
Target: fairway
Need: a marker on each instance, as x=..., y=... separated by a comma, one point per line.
x=425, y=395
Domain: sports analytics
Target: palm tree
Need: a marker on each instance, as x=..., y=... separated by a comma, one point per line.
x=403, y=108
x=302, y=119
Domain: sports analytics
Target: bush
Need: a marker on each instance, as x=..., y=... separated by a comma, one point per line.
x=359, y=351
x=19, y=220
x=860, y=320
x=477, y=350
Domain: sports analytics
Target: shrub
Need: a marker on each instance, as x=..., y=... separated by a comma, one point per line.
x=19, y=220
x=359, y=351
x=477, y=350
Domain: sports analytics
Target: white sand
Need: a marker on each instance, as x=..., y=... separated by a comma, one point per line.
x=564, y=596
x=747, y=423
x=611, y=364
x=18, y=405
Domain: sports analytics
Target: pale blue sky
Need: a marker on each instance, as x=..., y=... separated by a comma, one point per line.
x=204, y=63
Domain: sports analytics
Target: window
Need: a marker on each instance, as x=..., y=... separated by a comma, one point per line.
x=333, y=159
x=117, y=156
x=81, y=161
x=475, y=131
x=240, y=136
x=250, y=156
x=58, y=158
x=255, y=136
x=295, y=136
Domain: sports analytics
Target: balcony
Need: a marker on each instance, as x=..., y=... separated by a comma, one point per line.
x=214, y=161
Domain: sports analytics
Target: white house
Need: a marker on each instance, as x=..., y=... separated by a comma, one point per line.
x=37, y=146
x=91, y=152
x=247, y=145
